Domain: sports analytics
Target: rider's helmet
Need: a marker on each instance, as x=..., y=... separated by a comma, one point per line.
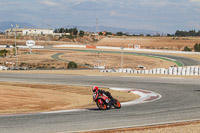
x=95, y=89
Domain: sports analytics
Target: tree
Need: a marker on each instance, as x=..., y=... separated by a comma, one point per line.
x=170, y=35
x=62, y=30
x=100, y=33
x=108, y=33
x=72, y=64
x=148, y=35
x=119, y=33
x=197, y=47
x=3, y=53
x=74, y=31
x=81, y=33
x=55, y=31
x=187, y=33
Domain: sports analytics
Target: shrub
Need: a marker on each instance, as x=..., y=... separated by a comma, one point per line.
x=4, y=52
x=197, y=47
x=186, y=48
x=72, y=65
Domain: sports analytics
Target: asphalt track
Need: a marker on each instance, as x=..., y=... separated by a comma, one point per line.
x=183, y=60
x=180, y=102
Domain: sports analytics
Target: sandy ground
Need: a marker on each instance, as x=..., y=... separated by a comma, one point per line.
x=43, y=59
x=113, y=60
x=168, y=43
x=29, y=98
x=38, y=58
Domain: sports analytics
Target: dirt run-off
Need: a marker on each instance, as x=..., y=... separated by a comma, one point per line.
x=30, y=98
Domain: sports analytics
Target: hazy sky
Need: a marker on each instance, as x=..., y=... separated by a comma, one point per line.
x=159, y=15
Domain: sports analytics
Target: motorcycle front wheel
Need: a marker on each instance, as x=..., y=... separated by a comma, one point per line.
x=117, y=104
x=101, y=104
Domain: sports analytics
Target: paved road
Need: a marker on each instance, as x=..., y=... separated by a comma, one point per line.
x=183, y=60
x=180, y=101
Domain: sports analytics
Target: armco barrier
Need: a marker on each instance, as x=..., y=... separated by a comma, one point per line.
x=147, y=50
x=191, y=70
x=183, y=72
x=199, y=71
x=3, y=68
x=170, y=71
x=162, y=70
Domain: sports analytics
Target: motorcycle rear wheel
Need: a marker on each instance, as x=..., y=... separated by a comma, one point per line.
x=101, y=105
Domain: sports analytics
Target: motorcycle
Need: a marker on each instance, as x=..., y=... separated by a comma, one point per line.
x=102, y=102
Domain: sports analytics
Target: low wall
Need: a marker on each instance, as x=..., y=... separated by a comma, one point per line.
x=188, y=71
x=3, y=68
x=128, y=49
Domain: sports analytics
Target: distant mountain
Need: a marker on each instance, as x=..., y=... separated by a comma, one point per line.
x=113, y=29
x=7, y=25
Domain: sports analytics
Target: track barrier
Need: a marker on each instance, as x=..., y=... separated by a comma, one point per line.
x=128, y=49
x=185, y=71
x=3, y=68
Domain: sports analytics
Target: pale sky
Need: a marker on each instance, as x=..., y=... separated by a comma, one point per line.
x=158, y=15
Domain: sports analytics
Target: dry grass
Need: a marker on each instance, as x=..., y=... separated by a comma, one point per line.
x=26, y=98
x=43, y=59
x=170, y=43
x=113, y=60
x=39, y=59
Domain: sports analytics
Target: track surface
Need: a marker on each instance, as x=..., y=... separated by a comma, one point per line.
x=180, y=102
x=184, y=60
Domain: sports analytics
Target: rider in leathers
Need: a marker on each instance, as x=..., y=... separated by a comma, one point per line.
x=107, y=93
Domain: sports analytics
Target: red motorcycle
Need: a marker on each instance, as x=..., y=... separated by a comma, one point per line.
x=102, y=101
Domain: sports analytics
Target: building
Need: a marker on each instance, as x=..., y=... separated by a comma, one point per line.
x=25, y=32
x=61, y=34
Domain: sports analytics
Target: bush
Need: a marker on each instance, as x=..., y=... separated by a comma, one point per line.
x=3, y=53
x=186, y=48
x=72, y=65
x=197, y=47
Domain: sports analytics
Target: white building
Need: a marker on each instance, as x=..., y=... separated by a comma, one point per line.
x=29, y=31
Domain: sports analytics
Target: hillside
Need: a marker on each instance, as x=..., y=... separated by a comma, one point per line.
x=7, y=25
x=45, y=40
